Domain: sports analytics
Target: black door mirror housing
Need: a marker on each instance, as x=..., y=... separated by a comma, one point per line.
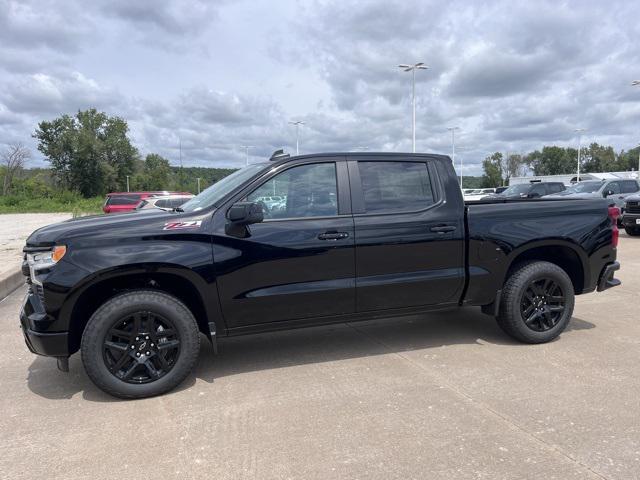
x=245, y=213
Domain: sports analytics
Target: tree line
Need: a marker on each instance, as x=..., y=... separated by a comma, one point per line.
x=91, y=154
x=552, y=160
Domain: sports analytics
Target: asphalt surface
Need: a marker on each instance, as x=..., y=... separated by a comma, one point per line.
x=445, y=395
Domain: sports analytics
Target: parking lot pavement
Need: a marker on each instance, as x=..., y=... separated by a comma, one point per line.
x=445, y=395
x=15, y=228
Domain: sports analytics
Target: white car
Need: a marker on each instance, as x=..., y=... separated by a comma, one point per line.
x=479, y=193
x=164, y=202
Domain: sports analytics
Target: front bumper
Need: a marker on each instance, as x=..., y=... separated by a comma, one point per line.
x=606, y=277
x=629, y=220
x=51, y=344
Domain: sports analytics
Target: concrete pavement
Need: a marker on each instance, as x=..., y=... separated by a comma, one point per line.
x=14, y=229
x=445, y=395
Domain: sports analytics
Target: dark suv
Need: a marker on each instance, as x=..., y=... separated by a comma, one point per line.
x=529, y=190
x=631, y=217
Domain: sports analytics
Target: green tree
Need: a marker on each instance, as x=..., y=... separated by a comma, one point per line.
x=157, y=172
x=89, y=153
x=493, y=170
x=553, y=161
x=599, y=158
x=629, y=160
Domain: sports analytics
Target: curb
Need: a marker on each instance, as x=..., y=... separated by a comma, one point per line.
x=10, y=283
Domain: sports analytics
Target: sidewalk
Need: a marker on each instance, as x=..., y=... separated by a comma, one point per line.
x=14, y=230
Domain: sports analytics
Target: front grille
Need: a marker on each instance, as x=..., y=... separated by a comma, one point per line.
x=633, y=207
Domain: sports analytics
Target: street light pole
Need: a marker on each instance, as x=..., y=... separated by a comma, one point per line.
x=297, y=124
x=246, y=149
x=579, y=132
x=127, y=183
x=198, y=179
x=453, y=150
x=412, y=69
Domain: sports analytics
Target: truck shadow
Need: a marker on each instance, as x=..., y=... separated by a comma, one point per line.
x=238, y=355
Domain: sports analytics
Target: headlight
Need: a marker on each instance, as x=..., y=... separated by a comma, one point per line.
x=44, y=260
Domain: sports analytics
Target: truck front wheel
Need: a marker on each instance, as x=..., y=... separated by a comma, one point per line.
x=140, y=344
x=536, y=303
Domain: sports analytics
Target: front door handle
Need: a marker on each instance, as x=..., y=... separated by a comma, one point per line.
x=443, y=228
x=333, y=235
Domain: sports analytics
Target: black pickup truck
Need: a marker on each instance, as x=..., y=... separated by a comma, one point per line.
x=342, y=237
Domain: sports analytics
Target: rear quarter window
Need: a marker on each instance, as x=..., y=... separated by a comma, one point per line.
x=395, y=186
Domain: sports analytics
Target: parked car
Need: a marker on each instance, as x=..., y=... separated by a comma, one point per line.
x=120, y=202
x=528, y=190
x=133, y=293
x=500, y=189
x=631, y=216
x=615, y=190
x=479, y=194
x=163, y=202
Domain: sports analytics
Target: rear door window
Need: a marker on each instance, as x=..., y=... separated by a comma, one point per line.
x=630, y=186
x=395, y=186
x=555, y=187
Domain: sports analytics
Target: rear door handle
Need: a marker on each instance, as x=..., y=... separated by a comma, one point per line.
x=443, y=229
x=333, y=235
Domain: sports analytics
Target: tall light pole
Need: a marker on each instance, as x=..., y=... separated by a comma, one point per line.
x=453, y=150
x=198, y=179
x=127, y=183
x=246, y=149
x=297, y=124
x=412, y=69
x=636, y=83
x=579, y=132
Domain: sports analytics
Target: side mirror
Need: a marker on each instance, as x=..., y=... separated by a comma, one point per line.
x=245, y=213
x=608, y=192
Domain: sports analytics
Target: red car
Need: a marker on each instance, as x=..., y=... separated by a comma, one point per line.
x=119, y=202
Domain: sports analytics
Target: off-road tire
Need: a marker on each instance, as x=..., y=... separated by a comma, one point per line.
x=521, y=277
x=120, y=306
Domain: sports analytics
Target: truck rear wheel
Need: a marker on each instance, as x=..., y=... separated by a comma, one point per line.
x=536, y=303
x=632, y=231
x=140, y=344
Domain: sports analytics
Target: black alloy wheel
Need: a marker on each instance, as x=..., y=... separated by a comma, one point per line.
x=141, y=348
x=537, y=301
x=542, y=305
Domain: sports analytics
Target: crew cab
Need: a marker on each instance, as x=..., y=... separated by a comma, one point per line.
x=358, y=236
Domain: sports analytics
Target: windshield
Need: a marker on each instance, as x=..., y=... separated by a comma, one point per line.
x=516, y=189
x=585, y=187
x=212, y=195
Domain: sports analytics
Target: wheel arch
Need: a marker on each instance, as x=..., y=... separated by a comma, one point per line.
x=182, y=283
x=562, y=253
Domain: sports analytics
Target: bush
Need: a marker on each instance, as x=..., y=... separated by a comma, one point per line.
x=60, y=202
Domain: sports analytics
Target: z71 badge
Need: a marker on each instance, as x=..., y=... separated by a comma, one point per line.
x=182, y=225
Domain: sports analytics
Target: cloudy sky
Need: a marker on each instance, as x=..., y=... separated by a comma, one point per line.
x=217, y=75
